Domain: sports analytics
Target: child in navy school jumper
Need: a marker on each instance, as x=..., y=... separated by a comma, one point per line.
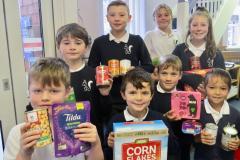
x=169, y=73
x=199, y=43
x=73, y=42
x=137, y=90
x=119, y=44
x=215, y=109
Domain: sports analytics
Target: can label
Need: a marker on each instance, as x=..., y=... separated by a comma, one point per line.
x=195, y=63
x=228, y=134
x=125, y=65
x=39, y=121
x=102, y=75
x=113, y=66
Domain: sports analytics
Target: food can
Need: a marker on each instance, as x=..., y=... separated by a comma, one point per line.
x=39, y=120
x=113, y=66
x=229, y=133
x=195, y=63
x=212, y=129
x=125, y=65
x=102, y=75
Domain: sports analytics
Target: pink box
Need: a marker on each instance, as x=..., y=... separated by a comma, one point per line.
x=186, y=104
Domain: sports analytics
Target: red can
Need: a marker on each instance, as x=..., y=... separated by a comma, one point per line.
x=102, y=75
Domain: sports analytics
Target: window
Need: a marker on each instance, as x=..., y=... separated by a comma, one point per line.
x=233, y=30
x=31, y=31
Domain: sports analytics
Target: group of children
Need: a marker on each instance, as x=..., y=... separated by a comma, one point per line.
x=134, y=96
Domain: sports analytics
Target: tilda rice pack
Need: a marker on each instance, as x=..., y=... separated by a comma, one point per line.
x=147, y=140
x=66, y=117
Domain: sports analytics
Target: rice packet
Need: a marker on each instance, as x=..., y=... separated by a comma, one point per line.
x=66, y=117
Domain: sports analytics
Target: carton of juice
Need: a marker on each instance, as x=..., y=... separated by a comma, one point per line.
x=186, y=104
x=140, y=140
x=66, y=117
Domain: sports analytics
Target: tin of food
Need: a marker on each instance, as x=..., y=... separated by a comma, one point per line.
x=102, y=75
x=229, y=132
x=212, y=129
x=113, y=66
x=125, y=65
x=39, y=120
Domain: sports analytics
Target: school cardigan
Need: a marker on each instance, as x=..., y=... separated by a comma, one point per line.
x=206, y=62
x=134, y=50
x=215, y=152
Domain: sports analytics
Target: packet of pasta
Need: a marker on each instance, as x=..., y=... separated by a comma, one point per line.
x=66, y=117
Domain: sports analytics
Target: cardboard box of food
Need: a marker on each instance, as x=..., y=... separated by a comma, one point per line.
x=186, y=104
x=146, y=140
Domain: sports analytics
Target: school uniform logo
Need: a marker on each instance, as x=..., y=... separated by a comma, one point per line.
x=87, y=85
x=210, y=62
x=128, y=49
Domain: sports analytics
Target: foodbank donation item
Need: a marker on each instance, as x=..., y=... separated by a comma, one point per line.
x=66, y=117
x=186, y=104
x=191, y=127
x=132, y=142
x=39, y=120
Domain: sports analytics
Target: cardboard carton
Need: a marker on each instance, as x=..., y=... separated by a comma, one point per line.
x=186, y=104
x=147, y=140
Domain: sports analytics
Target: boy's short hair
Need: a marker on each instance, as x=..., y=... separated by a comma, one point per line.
x=50, y=71
x=170, y=60
x=221, y=73
x=162, y=6
x=72, y=30
x=118, y=3
x=136, y=77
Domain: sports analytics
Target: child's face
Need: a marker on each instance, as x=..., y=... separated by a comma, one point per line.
x=199, y=28
x=137, y=99
x=72, y=49
x=118, y=17
x=217, y=91
x=44, y=97
x=163, y=19
x=168, y=78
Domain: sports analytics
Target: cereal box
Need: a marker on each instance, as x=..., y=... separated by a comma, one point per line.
x=147, y=140
x=38, y=119
x=66, y=117
x=186, y=104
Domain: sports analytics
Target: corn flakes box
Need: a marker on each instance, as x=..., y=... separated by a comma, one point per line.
x=66, y=117
x=147, y=140
x=186, y=104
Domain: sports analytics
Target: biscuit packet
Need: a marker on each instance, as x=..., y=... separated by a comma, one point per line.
x=66, y=117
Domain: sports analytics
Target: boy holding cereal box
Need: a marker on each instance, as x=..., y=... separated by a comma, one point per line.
x=137, y=90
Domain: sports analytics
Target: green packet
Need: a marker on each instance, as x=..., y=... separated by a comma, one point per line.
x=71, y=97
x=155, y=61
